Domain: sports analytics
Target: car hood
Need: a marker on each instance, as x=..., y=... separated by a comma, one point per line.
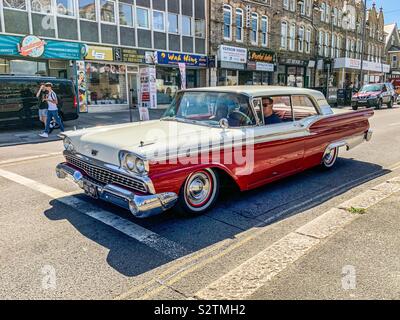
x=146, y=139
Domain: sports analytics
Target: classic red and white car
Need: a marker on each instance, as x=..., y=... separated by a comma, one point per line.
x=209, y=136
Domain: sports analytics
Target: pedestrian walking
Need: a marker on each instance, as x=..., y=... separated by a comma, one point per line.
x=42, y=105
x=52, y=112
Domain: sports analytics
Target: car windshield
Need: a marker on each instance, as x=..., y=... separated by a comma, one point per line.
x=208, y=108
x=371, y=88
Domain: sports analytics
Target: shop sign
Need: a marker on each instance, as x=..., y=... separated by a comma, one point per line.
x=148, y=91
x=262, y=66
x=82, y=86
x=293, y=62
x=232, y=54
x=129, y=55
x=176, y=58
x=34, y=47
x=262, y=56
x=100, y=53
x=348, y=63
x=31, y=46
x=212, y=61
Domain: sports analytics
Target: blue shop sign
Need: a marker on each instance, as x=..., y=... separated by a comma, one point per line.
x=190, y=60
x=34, y=47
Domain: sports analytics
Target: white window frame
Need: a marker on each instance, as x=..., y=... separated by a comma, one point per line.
x=177, y=22
x=292, y=37
x=239, y=12
x=190, y=24
x=254, y=16
x=227, y=9
x=152, y=20
x=265, y=36
x=16, y=9
x=96, y=14
x=149, y=22
x=74, y=5
x=132, y=15
x=284, y=36
x=300, y=42
x=115, y=14
x=308, y=40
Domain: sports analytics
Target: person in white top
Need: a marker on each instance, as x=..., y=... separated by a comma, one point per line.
x=52, y=112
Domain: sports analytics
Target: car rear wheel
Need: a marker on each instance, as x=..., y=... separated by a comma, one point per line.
x=391, y=103
x=199, y=193
x=354, y=107
x=329, y=158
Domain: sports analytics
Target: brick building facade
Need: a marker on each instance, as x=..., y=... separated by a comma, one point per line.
x=302, y=43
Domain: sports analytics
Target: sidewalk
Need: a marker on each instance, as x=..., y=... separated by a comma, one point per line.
x=15, y=135
x=360, y=262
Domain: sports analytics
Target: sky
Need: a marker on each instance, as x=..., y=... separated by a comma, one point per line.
x=391, y=9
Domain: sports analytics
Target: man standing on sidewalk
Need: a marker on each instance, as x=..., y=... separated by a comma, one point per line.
x=52, y=111
x=43, y=105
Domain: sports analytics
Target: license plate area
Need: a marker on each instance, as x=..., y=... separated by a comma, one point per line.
x=90, y=189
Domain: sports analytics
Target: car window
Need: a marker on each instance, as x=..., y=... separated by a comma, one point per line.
x=282, y=107
x=211, y=107
x=12, y=89
x=303, y=107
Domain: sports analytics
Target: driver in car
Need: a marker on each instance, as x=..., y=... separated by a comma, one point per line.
x=270, y=117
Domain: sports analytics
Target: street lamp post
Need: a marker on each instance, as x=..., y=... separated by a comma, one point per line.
x=361, y=77
x=330, y=66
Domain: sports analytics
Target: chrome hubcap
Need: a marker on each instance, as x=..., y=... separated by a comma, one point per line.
x=330, y=156
x=198, y=189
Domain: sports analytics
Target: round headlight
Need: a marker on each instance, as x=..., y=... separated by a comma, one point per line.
x=140, y=167
x=130, y=162
x=68, y=144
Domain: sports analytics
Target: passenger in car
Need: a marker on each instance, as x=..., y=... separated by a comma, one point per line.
x=270, y=117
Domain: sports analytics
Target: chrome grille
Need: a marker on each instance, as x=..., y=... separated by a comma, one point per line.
x=106, y=176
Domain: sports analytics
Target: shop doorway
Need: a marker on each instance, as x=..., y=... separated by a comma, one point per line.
x=134, y=88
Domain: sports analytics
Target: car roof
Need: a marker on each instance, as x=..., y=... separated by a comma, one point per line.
x=256, y=91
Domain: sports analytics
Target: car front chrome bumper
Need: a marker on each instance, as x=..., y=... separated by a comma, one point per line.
x=141, y=206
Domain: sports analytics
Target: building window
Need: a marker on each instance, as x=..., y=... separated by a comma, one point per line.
x=254, y=28
x=107, y=11
x=173, y=26
x=323, y=11
x=321, y=43
x=186, y=26
x=326, y=51
x=284, y=34
x=302, y=7
x=15, y=4
x=200, y=28
x=292, y=39
x=335, y=16
x=227, y=22
x=158, y=21
x=239, y=25
x=65, y=8
x=333, y=45
x=264, y=30
x=308, y=41
x=142, y=18
x=328, y=13
x=106, y=83
x=286, y=4
x=42, y=6
x=293, y=5
x=87, y=9
x=125, y=14
x=301, y=39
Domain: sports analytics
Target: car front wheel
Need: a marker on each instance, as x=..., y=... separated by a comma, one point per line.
x=199, y=193
x=379, y=105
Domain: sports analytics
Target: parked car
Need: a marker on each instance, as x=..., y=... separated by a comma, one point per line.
x=208, y=137
x=374, y=96
x=19, y=104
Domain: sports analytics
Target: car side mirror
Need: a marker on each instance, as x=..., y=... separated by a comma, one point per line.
x=224, y=123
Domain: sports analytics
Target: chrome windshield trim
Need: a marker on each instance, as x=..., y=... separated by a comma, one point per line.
x=113, y=168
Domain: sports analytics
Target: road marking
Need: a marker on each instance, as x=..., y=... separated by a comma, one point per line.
x=394, y=124
x=147, y=237
x=41, y=156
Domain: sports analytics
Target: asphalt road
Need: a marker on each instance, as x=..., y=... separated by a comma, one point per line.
x=57, y=243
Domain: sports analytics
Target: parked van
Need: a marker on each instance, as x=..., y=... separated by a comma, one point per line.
x=19, y=104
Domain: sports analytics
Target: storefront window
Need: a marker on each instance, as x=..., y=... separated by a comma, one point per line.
x=42, y=6
x=87, y=9
x=66, y=8
x=125, y=14
x=15, y=4
x=168, y=83
x=106, y=84
x=227, y=77
x=27, y=67
x=4, y=66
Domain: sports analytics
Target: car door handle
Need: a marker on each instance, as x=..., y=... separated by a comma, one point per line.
x=299, y=125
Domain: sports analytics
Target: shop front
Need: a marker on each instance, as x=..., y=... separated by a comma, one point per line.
x=178, y=70
x=232, y=66
x=347, y=72
x=33, y=56
x=261, y=65
x=293, y=73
